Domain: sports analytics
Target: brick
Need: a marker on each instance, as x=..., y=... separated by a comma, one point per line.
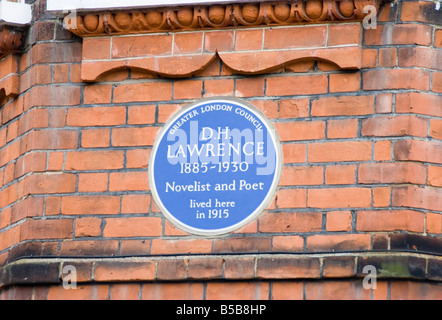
x=250, y=87
x=381, y=197
x=399, y=172
x=95, y=138
x=419, y=57
x=96, y=116
x=56, y=95
x=149, y=91
x=46, y=229
x=420, y=11
x=268, y=107
x=52, y=139
x=296, y=85
x=417, y=197
x=435, y=176
x=48, y=183
x=344, y=34
x=302, y=176
x=130, y=137
x=141, y=114
x=434, y=223
x=11, y=152
x=438, y=38
x=27, y=208
x=246, y=40
x=90, y=247
x=339, y=221
x=343, y=105
x=134, y=203
x=383, y=79
x=339, y=151
x=94, y=160
x=200, y=269
x=128, y=181
x=83, y=292
x=34, y=118
x=124, y=271
x=417, y=150
x=172, y=291
x=218, y=41
x=369, y=58
x=295, y=37
x=409, y=290
x=388, y=57
x=142, y=46
x=55, y=161
x=82, y=205
x=384, y=103
x=53, y=205
x=345, y=128
x=30, y=162
x=336, y=290
x=137, y=158
x=291, y=222
x=96, y=94
x=294, y=153
x=58, y=118
x=96, y=48
x=125, y=292
x=339, y=198
x=437, y=82
x=165, y=111
x=92, y=182
x=419, y=103
x=286, y=243
x=172, y=269
x=287, y=268
x=338, y=242
x=340, y=174
x=236, y=269
x=291, y=198
x=189, y=89
x=219, y=87
x=88, y=227
x=237, y=290
x=294, y=108
x=391, y=220
x=339, y=267
x=345, y=82
x=53, y=52
x=186, y=246
x=399, y=34
x=244, y=244
x=187, y=43
x=287, y=291
x=300, y=130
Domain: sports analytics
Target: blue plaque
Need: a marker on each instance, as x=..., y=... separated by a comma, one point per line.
x=215, y=166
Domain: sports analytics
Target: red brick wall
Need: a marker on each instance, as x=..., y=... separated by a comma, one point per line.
x=361, y=145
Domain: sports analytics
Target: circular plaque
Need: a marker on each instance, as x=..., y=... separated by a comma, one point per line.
x=215, y=166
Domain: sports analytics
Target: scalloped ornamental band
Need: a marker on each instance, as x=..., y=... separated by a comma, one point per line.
x=197, y=17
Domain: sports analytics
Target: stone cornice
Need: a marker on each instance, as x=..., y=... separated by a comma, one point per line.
x=200, y=17
x=260, y=266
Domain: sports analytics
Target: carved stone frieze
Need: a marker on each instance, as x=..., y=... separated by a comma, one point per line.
x=10, y=41
x=217, y=16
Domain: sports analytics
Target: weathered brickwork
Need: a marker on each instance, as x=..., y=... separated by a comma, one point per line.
x=359, y=115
